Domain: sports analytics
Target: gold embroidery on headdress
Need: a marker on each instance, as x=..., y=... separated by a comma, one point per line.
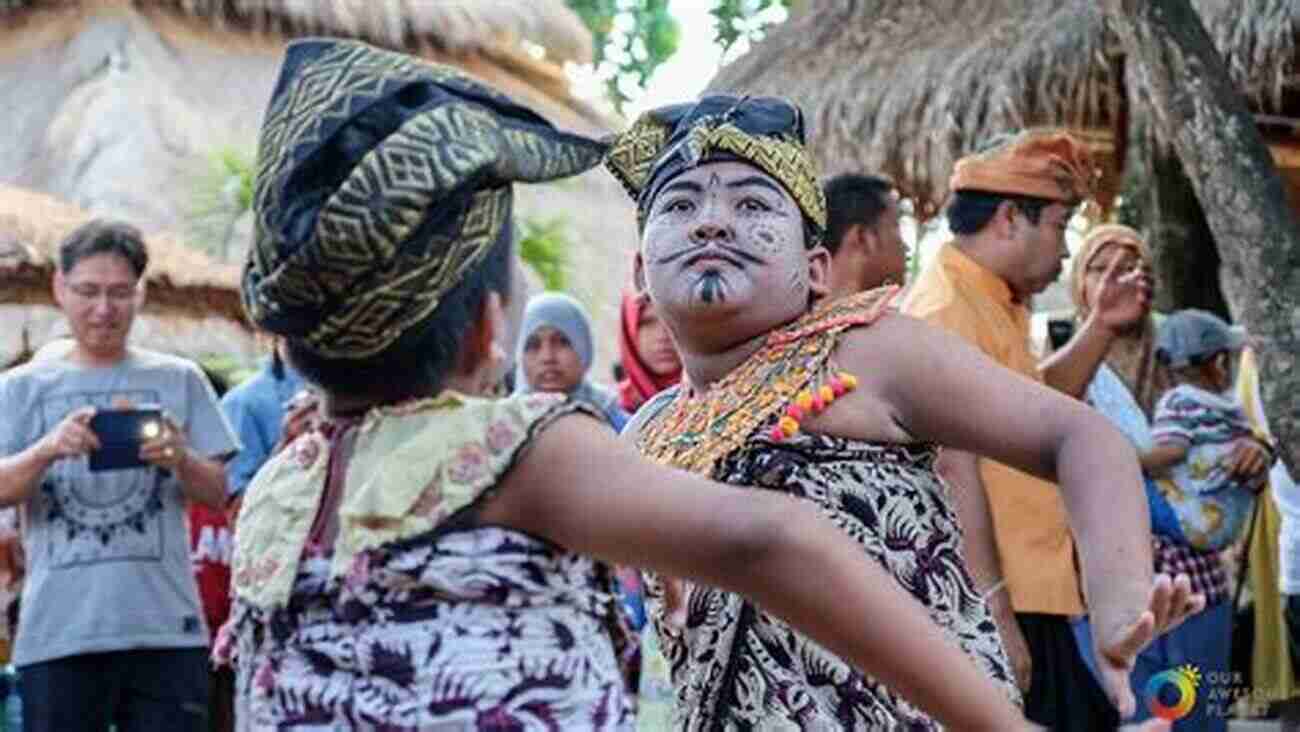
x=359, y=266
x=634, y=153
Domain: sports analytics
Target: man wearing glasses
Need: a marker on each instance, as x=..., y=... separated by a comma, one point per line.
x=112, y=631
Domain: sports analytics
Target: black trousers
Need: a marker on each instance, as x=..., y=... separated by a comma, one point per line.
x=138, y=691
x=1063, y=694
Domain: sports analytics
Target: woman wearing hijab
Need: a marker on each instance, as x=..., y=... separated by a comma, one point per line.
x=423, y=558
x=555, y=352
x=647, y=353
x=1125, y=389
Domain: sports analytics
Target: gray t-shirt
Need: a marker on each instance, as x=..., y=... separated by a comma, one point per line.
x=108, y=552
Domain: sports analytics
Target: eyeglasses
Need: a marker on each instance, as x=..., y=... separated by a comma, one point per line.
x=114, y=293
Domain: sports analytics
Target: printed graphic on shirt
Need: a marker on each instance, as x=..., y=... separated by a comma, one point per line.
x=96, y=517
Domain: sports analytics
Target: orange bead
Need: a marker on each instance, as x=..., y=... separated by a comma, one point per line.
x=850, y=381
x=788, y=426
x=826, y=393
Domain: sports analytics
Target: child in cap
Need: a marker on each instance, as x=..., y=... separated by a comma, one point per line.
x=1196, y=498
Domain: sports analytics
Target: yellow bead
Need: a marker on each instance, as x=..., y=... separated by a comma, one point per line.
x=804, y=400
x=827, y=394
x=789, y=426
x=850, y=381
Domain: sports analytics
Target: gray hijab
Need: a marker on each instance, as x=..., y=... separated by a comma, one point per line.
x=567, y=315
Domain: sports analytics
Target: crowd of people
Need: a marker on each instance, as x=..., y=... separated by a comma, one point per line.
x=832, y=501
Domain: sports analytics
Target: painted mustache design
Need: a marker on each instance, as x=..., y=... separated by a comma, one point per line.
x=737, y=258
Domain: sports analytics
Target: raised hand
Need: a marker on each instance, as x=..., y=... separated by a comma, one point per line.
x=1116, y=645
x=1124, y=296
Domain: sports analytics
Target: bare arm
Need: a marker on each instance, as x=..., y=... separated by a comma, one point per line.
x=963, y=399
x=22, y=472
x=752, y=542
x=202, y=479
x=1162, y=456
x=1071, y=368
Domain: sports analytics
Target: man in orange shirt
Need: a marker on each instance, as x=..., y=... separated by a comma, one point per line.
x=1011, y=205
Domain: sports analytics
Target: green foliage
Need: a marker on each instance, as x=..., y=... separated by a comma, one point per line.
x=222, y=192
x=226, y=367
x=744, y=19
x=631, y=37
x=545, y=245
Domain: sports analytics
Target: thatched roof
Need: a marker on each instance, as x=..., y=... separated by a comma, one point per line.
x=452, y=26
x=181, y=280
x=904, y=87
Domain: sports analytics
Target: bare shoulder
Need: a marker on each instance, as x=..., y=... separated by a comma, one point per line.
x=891, y=345
x=874, y=354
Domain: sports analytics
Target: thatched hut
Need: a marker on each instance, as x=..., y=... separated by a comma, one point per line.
x=192, y=304
x=124, y=102
x=905, y=87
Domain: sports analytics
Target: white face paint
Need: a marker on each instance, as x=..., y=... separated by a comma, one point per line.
x=724, y=242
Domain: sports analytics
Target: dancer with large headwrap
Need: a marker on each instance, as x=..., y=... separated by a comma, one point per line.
x=839, y=404
x=420, y=558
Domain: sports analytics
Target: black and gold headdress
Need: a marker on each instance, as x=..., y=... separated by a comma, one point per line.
x=382, y=179
x=764, y=131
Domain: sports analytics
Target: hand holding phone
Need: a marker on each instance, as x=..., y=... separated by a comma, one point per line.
x=73, y=436
x=168, y=448
x=122, y=433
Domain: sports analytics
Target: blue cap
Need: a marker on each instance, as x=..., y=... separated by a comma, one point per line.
x=1191, y=336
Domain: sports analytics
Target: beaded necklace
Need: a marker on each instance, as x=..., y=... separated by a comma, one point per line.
x=790, y=377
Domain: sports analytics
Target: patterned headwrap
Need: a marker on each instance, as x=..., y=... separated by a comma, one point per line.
x=1049, y=164
x=382, y=180
x=763, y=131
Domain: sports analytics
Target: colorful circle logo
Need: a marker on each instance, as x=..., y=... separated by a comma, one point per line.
x=1178, y=689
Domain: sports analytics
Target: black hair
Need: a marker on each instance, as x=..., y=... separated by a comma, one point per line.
x=852, y=198
x=420, y=361
x=971, y=211
x=104, y=236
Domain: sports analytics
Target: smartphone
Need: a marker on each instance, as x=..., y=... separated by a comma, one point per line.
x=121, y=432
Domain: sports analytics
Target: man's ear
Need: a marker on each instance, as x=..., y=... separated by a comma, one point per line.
x=866, y=238
x=57, y=287
x=819, y=272
x=479, y=341
x=1006, y=217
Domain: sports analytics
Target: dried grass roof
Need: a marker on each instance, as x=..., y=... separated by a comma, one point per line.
x=904, y=87
x=181, y=280
x=453, y=26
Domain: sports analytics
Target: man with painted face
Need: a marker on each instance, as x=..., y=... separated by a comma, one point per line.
x=842, y=403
